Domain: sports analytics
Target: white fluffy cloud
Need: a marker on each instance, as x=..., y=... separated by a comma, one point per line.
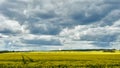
x=9, y=26
x=100, y=36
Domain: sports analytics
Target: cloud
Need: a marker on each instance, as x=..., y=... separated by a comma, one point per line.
x=63, y=20
x=41, y=40
x=2, y=45
x=8, y=26
x=44, y=28
x=100, y=36
x=29, y=40
x=111, y=18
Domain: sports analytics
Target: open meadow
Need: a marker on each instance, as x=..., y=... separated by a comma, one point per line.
x=60, y=59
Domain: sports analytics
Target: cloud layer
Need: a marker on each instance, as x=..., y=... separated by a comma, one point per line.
x=54, y=24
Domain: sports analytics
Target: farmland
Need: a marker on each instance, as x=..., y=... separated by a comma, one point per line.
x=60, y=59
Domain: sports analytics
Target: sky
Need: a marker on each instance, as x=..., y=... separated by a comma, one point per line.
x=59, y=24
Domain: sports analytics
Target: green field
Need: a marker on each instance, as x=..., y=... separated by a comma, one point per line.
x=67, y=59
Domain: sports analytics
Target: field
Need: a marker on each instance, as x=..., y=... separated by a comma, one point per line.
x=60, y=59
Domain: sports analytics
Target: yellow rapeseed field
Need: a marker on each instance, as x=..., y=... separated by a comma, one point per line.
x=60, y=59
